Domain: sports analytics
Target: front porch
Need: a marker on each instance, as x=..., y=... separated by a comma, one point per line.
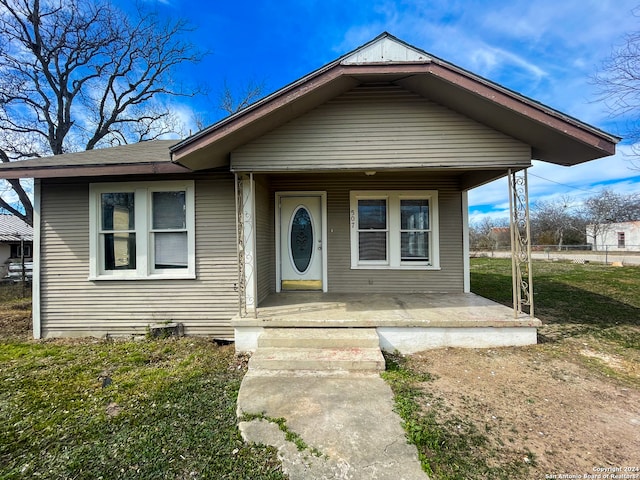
x=404, y=322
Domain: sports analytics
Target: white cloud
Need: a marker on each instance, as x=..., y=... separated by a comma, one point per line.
x=488, y=59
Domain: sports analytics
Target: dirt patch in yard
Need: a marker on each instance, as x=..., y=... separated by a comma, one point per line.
x=15, y=319
x=553, y=406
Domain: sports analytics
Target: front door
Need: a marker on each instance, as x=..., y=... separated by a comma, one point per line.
x=300, y=238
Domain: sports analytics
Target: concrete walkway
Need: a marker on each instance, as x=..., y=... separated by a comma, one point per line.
x=347, y=416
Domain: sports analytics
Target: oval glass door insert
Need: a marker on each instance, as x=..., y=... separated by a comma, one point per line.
x=301, y=239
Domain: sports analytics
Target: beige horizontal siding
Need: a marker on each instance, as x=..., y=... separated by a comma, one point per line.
x=341, y=278
x=71, y=305
x=380, y=126
x=265, y=241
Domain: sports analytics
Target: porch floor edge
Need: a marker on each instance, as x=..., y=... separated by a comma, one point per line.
x=302, y=322
x=434, y=310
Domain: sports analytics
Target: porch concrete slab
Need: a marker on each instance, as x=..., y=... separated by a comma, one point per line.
x=347, y=418
x=313, y=309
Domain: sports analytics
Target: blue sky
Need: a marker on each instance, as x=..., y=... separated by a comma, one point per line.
x=545, y=49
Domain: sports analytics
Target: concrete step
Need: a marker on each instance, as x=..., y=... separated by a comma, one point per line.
x=318, y=359
x=319, y=338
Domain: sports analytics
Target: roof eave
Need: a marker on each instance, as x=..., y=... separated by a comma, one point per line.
x=571, y=137
x=543, y=114
x=573, y=141
x=93, y=170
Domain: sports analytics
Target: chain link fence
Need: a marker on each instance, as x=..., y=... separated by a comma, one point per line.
x=609, y=254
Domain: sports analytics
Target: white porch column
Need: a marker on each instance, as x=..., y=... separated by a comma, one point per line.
x=466, y=267
x=520, y=242
x=35, y=252
x=246, y=206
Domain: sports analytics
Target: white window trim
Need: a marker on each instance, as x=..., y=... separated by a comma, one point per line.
x=394, y=262
x=145, y=269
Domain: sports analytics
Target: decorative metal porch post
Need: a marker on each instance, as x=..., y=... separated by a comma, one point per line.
x=520, y=242
x=245, y=208
x=240, y=286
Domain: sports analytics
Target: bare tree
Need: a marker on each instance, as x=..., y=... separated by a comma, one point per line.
x=232, y=102
x=489, y=234
x=81, y=74
x=556, y=223
x=619, y=83
x=607, y=207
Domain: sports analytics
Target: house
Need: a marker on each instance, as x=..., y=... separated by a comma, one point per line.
x=615, y=237
x=16, y=242
x=340, y=199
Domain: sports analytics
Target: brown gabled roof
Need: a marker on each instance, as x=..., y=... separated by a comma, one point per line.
x=139, y=158
x=554, y=137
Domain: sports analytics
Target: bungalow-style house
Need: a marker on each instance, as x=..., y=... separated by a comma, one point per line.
x=339, y=200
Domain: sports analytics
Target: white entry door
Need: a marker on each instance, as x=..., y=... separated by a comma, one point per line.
x=300, y=238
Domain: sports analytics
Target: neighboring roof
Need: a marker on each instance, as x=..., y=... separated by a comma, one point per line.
x=554, y=136
x=139, y=158
x=630, y=224
x=13, y=229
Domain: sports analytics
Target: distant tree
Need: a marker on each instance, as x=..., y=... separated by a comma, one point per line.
x=556, y=223
x=489, y=234
x=81, y=74
x=233, y=101
x=619, y=84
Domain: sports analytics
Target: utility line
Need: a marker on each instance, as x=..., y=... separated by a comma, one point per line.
x=558, y=183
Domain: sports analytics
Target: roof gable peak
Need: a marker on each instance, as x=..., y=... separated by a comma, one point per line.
x=385, y=48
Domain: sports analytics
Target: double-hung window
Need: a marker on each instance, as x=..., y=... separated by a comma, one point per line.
x=394, y=229
x=142, y=230
x=373, y=230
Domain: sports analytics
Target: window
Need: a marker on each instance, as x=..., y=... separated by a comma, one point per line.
x=621, y=240
x=142, y=230
x=394, y=229
x=16, y=250
x=373, y=230
x=414, y=230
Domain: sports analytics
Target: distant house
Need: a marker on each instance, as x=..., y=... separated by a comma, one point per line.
x=500, y=237
x=16, y=238
x=346, y=189
x=612, y=237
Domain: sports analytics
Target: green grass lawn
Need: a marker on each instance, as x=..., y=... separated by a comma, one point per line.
x=155, y=409
x=572, y=299
x=147, y=409
x=581, y=306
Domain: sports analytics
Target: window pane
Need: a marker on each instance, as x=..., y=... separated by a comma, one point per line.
x=414, y=214
x=372, y=214
x=301, y=239
x=120, y=251
x=169, y=210
x=414, y=245
x=170, y=249
x=372, y=245
x=118, y=211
